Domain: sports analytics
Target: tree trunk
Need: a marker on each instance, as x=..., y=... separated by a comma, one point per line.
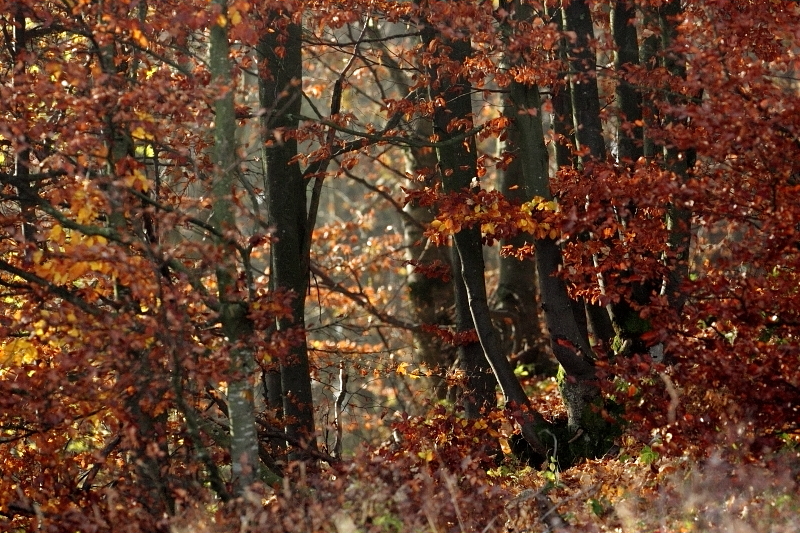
x=629, y=100
x=679, y=162
x=431, y=298
x=280, y=98
x=518, y=280
x=588, y=126
x=233, y=309
x=568, y=336
x=479, y=392
x=458, y=166
x=630, y=148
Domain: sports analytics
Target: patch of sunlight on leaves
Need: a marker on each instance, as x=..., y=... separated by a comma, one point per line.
x=19, y=351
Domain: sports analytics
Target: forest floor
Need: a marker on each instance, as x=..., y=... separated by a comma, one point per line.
x=442, y=476
x=644, y=493
x=724, y=489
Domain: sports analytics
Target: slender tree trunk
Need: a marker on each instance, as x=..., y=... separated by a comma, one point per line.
x=586, y=116
x=431, y=298
x=280, y=98
x=233, y=309
x=649, y=57
x=518, y=280
x=479, y=393
x=629, y=100
x=22, y=158
x=679, y=162
x=585, y=99
x=630, y=148
x=151, y=466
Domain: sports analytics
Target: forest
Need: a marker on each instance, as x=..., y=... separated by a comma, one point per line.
x=400, y=266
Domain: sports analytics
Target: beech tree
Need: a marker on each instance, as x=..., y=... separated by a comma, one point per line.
x=185, y=322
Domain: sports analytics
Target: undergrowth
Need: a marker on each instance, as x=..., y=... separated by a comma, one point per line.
x=442, y=474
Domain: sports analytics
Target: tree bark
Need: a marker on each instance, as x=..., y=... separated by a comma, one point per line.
x=558, y=311
x=518, y=281
x=568, y=337
x=586, y=116
x=233, y=309
x=431, y=298
x=280, y=98
x=679, y=162
x=630, y=148
x=629, y=100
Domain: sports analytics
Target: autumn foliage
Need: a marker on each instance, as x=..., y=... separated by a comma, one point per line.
x=129, y=301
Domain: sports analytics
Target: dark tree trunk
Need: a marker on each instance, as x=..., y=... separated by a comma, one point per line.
x=458, y=166
x=431, y=298
x=279, y=93
x=236, y=325
x=630, y=147
x=679, y=162
x=629, y=100
x=586, y=116
x=568, y=336
x=517, y=285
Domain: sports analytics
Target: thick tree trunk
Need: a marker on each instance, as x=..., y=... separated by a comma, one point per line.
x=233, y=310
x=280, y=97
x=561, y=321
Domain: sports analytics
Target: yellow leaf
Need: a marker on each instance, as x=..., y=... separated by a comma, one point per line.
x=137, y=180
x=139, y=37
x=235, y=16
x=401, y=368
x=57, y=234
x=77, y=270
x=85, y=214
x=141, y=134
x=427, y=455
